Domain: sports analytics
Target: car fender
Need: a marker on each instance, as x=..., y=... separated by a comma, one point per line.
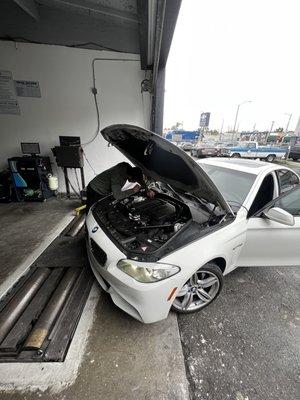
x=223, y=243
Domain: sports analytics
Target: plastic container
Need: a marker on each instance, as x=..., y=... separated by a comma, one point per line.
x=52, y=182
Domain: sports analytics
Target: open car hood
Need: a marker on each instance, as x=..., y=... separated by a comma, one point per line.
x=163, y=161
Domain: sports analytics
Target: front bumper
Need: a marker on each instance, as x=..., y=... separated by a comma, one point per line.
x=146, y=302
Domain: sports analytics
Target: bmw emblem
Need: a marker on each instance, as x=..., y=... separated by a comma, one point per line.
x=95, y=229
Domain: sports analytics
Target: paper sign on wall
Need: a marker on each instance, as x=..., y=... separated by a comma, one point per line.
x=28, y=88
x=8, y=98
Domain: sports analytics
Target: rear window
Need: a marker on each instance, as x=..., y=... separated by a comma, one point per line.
x=233, y=185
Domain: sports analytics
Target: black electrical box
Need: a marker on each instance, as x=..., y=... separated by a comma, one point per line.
x=68, y=156
x=30, y=177
x=69, y=141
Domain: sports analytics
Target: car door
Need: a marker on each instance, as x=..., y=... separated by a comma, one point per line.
x=252, y=150
x=269, y=243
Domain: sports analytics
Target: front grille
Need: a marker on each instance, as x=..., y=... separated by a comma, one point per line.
x=98, y=253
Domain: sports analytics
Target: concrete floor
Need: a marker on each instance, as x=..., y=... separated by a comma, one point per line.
x=123, y=358
x=23, y=226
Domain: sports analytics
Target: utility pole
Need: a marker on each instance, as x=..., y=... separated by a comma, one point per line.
x=288, y=123
x=236, y=116
x=297, y=130
x=270, y=131
x=221, y=131
x=286, y=131
x=237, y=113
x=237, y=131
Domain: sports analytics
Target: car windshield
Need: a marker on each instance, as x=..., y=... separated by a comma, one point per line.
x=233, y=185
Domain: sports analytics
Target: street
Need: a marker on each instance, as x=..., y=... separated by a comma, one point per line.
x=246, y=344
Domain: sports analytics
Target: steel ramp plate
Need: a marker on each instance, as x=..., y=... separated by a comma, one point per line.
x=51, y=295
x=24, y=324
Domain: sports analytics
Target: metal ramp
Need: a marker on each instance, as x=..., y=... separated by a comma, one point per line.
x=40, y=313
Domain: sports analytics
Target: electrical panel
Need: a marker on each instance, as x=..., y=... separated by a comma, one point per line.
x=68, y=156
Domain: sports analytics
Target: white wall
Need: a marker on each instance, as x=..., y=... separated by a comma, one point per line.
x=67, y=106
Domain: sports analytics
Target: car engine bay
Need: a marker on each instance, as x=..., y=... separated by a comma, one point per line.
x=146, y=224
x=141, y=225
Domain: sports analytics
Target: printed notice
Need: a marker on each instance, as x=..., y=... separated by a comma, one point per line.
x=8, y=98
x=28, y=89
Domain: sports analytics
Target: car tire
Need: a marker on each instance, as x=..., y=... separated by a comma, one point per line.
x=236, y=155
x=270, y=157
x=295, y=159
x=203, y=295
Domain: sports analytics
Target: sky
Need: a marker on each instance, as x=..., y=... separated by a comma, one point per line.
x=226, y=52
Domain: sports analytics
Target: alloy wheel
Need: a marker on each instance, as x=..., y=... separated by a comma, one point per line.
x=197, y=292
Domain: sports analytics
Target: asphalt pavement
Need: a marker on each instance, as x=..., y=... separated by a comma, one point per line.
x=245, y=345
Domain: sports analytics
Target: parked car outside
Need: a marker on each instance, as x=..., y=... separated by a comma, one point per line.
x=295, y=152
x=252, y=149
x=207, y=218
x=186, y=146
x=202, y=150
x=225, y=146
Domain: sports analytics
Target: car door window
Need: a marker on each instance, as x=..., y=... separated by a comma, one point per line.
x=290, y=202
x=287, y=180
x=264, y=195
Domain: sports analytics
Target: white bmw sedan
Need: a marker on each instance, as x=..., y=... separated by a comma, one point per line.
x=207, y=219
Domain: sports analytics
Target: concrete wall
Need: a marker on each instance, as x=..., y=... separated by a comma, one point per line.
x=67, y=105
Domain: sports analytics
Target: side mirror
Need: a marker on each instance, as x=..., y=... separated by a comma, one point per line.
x=279, y=215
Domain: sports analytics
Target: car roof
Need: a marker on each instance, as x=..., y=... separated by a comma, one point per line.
x=251, y=166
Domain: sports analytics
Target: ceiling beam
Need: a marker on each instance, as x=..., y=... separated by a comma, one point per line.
x=29, y=6
x=88, y=7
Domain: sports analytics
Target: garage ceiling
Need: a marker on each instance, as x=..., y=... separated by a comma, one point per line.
x=93, y=24
x=143, y=27
x=120, y=25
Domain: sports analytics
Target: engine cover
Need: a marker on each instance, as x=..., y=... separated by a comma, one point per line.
x=154, y=211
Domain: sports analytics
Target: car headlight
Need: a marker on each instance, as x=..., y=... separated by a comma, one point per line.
x=147, y=272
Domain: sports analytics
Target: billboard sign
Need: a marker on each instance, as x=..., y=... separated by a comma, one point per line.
x=204, y=119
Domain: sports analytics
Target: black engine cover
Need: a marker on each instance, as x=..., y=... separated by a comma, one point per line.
x=153, y=210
